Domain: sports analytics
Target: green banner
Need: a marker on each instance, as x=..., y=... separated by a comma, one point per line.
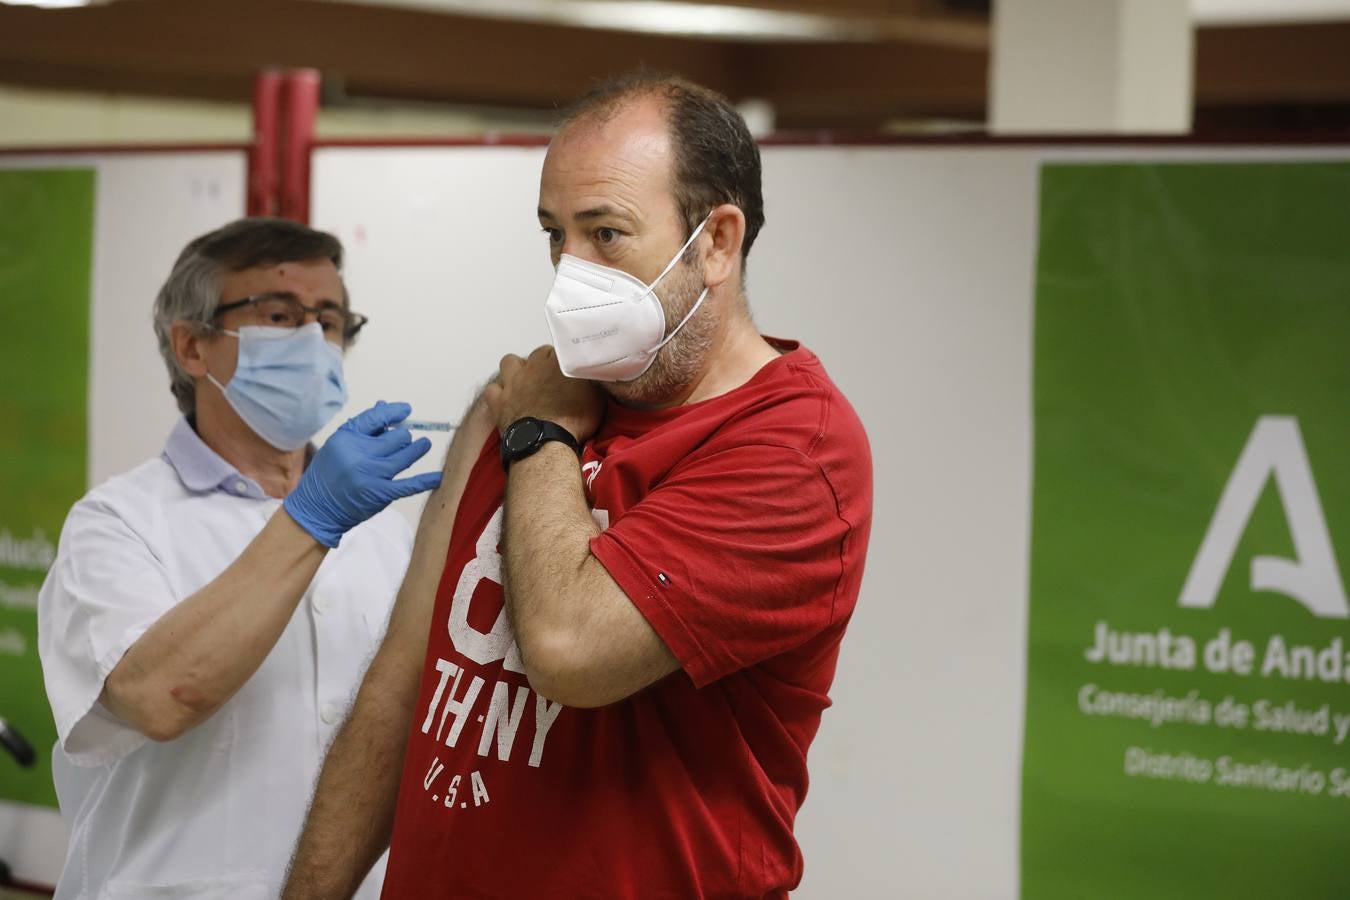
x=1188, y=685
x=46, y=237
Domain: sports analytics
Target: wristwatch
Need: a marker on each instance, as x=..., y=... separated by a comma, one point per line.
x=524, y=437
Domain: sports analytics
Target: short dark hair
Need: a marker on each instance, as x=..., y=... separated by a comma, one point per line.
x=192, y=291
x=264, y=241
x=716, y=159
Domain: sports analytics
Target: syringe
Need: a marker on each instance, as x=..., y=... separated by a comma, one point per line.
x=421, y=425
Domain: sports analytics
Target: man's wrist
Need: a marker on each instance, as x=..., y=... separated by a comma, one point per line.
x=525, y=436
x=573, y=428
x=553, y=451
x=327, y=538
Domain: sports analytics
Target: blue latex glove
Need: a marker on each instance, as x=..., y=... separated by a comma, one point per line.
x=351, y=478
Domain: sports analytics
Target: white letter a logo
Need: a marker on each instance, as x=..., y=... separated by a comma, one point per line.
x=1313, y=578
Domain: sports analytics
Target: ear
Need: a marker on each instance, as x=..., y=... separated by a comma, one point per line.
x=188, y=346
x=726, y=228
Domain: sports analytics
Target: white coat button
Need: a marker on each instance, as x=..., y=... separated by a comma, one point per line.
x=329, y=713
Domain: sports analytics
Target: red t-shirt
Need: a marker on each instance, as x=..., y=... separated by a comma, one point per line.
x=738, y=527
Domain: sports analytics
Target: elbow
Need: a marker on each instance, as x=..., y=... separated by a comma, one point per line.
x=161, y=715
x=566, y=690
x=160, y=723
x=161, y=729
x=558, y=671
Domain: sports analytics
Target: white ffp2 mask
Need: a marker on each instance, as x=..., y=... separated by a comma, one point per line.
x=608, y=325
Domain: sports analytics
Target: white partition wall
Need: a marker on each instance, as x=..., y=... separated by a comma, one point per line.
x=148, y=208
x=909, y=271
x=441, y=259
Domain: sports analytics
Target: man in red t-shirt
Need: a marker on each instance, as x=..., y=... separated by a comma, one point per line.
x=622, y=617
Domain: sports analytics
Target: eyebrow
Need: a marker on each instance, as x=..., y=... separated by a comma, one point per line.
x=325, y=303
x=595, y=212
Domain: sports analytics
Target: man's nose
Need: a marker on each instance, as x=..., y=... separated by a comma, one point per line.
x=581, y=247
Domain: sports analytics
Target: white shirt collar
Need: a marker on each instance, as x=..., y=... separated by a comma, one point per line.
x=201, y=469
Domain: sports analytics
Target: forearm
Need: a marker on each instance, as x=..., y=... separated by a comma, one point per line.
x=548, y=567
x=352, y=815
x=583, y=642
x=198, y=654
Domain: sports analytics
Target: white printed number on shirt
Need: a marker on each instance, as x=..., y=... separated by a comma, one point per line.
x=499, y=643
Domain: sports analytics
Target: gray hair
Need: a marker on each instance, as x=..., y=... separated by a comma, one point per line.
x=192, y=291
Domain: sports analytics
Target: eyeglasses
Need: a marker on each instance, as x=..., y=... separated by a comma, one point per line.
x=286, y=311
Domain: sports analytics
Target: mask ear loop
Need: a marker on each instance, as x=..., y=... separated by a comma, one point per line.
x=701, y=297
x=676, y=330
x=211, y=378
x=678, y=256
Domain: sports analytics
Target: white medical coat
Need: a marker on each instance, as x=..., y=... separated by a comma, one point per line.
x=215, y=813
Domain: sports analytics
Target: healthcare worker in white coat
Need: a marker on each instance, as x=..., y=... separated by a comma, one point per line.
x=210, y=612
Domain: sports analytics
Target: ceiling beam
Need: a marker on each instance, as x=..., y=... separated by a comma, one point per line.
x=376, y=51
x=1290, y=64
x=848, y=86
x=212, y=49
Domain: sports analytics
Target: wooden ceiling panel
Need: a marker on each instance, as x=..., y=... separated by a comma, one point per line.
x=877, y=8
x=925, y=66
x=391, y=53
x=1293, y=64
x=823, y=85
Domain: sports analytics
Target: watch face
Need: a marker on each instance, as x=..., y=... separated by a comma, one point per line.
x=523, y=435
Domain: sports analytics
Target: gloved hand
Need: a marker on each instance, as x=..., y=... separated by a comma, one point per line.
x=351, y=478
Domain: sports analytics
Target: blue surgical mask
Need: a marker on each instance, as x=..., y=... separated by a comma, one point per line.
x=287, y=384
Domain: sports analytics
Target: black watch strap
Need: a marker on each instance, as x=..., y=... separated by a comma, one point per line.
x=524, y=437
